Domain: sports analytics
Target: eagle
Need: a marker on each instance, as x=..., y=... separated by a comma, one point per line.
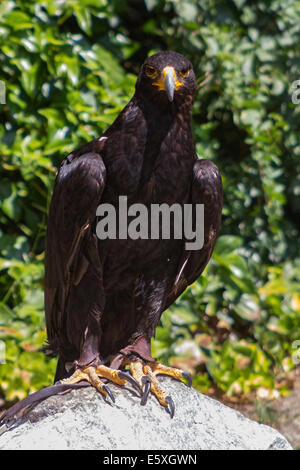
x=104, y=297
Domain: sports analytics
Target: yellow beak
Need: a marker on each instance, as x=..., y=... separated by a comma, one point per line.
x=168, y=82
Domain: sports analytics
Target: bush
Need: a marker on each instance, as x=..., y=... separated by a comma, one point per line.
x=69, y=68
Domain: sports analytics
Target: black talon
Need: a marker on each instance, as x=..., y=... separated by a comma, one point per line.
x=125, y=375
x=109, y=392
x=147, y=381
x=188, y=377
x=171, y=406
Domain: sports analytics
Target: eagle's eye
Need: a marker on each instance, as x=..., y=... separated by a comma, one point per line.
x=150, y=71
x=184, y=73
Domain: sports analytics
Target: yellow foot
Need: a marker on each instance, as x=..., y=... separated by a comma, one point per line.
x=92, y=375
x=145, y=374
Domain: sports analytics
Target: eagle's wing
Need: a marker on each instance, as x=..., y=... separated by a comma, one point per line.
x=71, y=245
x=207, y=190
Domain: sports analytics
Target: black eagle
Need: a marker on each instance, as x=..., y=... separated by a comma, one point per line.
x=104, y=298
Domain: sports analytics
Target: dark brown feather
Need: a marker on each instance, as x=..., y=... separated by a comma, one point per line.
x=102, y=295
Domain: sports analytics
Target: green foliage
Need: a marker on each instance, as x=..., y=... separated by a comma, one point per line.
x=69, y=68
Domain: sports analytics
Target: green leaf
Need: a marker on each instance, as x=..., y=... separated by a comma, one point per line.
x=18, y=20
x=227, y=244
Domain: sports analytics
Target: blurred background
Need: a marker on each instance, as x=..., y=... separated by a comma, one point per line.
x=68, y=68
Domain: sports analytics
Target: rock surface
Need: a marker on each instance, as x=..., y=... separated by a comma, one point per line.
x=81, y=419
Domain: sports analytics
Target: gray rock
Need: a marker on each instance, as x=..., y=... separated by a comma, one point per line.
x=81, y=419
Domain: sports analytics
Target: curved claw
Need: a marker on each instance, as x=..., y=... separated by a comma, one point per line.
x=171, y=407
x=188, y=377
x=125, y=375
x=109, y=392
x=147, y=381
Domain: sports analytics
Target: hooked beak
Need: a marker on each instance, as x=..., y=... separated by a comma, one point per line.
x=168, y=82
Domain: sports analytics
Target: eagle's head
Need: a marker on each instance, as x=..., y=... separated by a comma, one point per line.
x=166, y=77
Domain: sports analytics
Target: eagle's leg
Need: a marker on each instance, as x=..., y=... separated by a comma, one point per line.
x=146, y=374
x=90, y=367
x=93, y=375
x=144, y=369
